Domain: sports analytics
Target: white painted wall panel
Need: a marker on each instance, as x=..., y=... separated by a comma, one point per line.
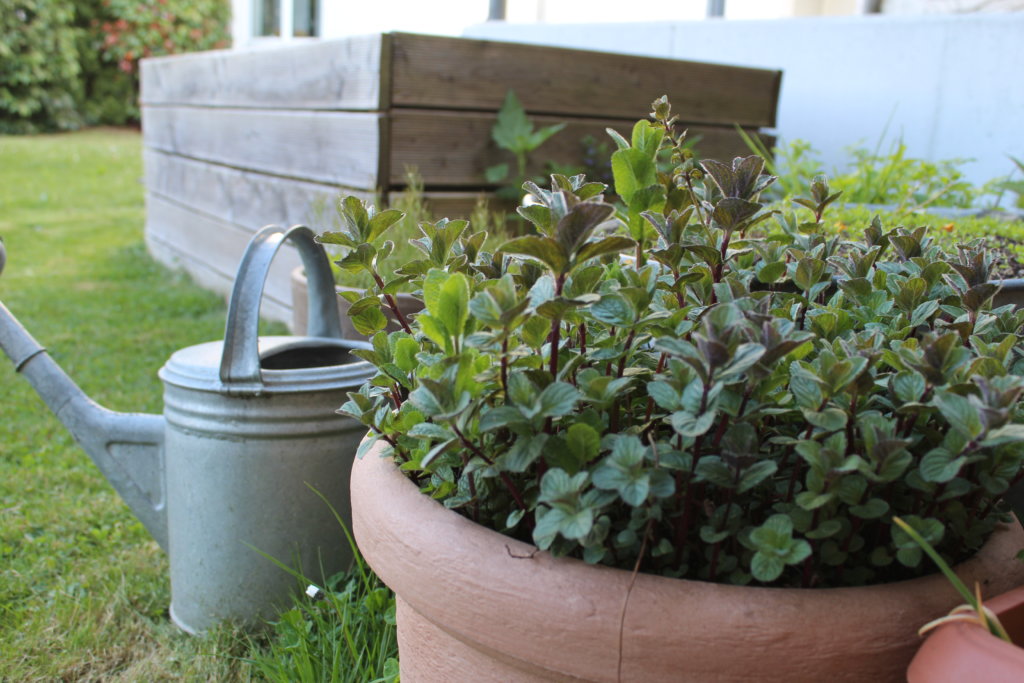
x=950, y=86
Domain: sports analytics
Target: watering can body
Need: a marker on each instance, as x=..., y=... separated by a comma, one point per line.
x=238, y=478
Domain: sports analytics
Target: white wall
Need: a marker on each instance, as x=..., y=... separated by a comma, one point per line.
x=951, y=86
x=343, y=18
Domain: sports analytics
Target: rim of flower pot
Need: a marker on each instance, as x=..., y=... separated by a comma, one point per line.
x=502, y=596
x=960, y=651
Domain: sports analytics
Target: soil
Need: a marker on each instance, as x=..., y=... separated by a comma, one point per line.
x=1007, y=264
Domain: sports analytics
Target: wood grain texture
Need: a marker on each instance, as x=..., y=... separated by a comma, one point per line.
x=447, y=73
x=452, y=149
x=335, y=148
x=210, y=251
x=244, y=198
x=331, y=74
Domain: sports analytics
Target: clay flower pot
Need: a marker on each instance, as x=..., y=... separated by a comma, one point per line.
x=967, y=652
x=474, y=605
x=406, y=302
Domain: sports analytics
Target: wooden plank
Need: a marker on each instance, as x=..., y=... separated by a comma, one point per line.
x=243, y=198
x=455, y=73
x=210, y=251
x=452, y=149
x=331, y=74
x=336, y=148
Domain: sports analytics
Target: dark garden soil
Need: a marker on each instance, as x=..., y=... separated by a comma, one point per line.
x=1007, y=263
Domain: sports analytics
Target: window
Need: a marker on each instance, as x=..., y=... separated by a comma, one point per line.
x=305, y=22
x=286, y=18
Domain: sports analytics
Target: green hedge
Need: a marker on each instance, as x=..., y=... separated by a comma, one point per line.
x=39, y=70
x=64, y=63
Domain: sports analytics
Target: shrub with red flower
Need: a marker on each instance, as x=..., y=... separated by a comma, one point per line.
x=130, y=30
x=116, y=34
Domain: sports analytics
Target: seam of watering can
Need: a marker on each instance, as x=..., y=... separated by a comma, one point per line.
x=243, y=437
x=19, y=364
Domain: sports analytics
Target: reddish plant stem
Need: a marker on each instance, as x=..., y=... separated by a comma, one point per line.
x=691, y=491
x=939, y=490
x=910, y=425
x=392, y=304
x=625, y=353
x=720, y=267
x=854, y=528
x=849, y=423
x=504, y=365
x=387, y=437
x=509, y=484
x=746, y=398
x=808, y=573
x=554, y=340
x=720, y=432
x=713, y=568
x=556, y=331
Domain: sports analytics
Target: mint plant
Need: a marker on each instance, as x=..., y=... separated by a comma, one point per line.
x=699, y=385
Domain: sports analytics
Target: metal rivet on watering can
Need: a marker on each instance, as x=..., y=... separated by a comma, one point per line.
x=234, y=471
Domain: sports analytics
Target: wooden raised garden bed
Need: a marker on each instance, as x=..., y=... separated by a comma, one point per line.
x=238, y=139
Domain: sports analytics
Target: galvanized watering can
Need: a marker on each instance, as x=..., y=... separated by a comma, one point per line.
x=249, y=430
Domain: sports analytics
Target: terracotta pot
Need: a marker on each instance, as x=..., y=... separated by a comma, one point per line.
x=475, y=605
x=407, y=303
x=967, y=652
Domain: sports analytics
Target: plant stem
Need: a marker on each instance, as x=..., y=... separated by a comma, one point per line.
x=855, y=526
x=713, y=570
x=808, y=573
x=556, y=330
x=632, y=581
x=688, y=498
x=392, y=304
x=509, y=484
x=720, y=432
x=650, y=401
x=504, y=366
x=696, y=202
x=625, y=352
x=849, y=423
x=720, y=267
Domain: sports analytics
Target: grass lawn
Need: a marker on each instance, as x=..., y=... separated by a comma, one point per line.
x=83, y=588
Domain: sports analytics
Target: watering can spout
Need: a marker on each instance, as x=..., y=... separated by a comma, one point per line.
x=127, y=447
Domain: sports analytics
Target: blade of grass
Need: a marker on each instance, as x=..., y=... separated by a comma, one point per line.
x=972, y=599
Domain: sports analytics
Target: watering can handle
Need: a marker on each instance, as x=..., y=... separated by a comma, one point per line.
x=240, y=362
